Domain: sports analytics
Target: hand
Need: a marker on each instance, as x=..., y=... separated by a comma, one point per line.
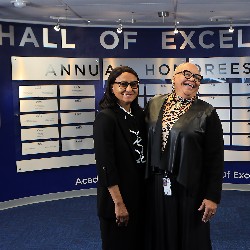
x=209, y=207
x=121, y=213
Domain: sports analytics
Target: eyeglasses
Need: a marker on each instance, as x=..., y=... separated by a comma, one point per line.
x=124, y=84
x=187, y=74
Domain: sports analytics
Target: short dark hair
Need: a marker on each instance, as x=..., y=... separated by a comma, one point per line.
x=109, y=100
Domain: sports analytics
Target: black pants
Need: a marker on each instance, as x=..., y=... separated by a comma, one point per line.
x=175, y=222
x=114, y=237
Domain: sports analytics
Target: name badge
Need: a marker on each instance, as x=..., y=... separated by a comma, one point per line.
x=167, y=186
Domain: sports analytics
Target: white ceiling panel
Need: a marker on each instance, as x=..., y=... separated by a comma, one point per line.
x=144, y=13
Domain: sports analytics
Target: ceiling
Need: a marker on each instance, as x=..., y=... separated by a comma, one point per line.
x=131, y=13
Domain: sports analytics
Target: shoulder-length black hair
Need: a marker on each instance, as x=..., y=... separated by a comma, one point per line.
x=109, y=100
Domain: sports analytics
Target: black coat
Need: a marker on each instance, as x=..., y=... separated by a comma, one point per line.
x=116, y=161
x=195, y=147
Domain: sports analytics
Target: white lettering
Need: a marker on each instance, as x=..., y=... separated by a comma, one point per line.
x=238, y=175
x=46, y=43
x=78, y=181
x=227, y=174
x=207, y=39
x=29, y=37
x=168, y=40
x=224, y=38
x=64, y=39
x=85, y=181
x=115, y=37
x=9, y=35
x=240, y=42
x=127, y=40
x=187, y=39
x=201, y=39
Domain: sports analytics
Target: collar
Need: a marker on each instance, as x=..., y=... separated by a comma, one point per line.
x=127, y=112
x=174, y=97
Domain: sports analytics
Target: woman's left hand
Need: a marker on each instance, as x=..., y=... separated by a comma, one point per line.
x=209, y=207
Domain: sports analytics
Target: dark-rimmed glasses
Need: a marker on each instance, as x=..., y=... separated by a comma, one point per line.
x=124, y=84
x=187, y=74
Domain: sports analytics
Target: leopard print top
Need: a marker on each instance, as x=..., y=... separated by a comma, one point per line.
x=174, y=107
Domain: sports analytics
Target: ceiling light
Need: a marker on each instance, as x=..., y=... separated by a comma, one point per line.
x=231, y=29
x=132, y=19
x=19, y=3
x=119, y=29
x=220, y=19
x=163, y=14
x=176, y=31
x=57, y=26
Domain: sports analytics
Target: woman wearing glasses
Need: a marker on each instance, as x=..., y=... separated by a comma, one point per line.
x=185, y=165
x=119, y=140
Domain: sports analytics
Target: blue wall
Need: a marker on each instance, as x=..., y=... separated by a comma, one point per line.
x=26, y=40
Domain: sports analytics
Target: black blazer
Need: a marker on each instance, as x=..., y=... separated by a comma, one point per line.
x=116, y=161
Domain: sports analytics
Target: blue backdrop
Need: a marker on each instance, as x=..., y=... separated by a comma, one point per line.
x=26, y=40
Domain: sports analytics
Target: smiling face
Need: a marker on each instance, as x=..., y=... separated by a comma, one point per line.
x=127, y=95
x=186, y=88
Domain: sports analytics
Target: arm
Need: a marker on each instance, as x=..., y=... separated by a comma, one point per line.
x=104, y=144
x=213, y=158
x=213, y=166
x=108, y=177
x=121, y=211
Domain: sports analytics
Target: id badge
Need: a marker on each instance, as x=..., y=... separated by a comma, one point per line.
x=167, y=186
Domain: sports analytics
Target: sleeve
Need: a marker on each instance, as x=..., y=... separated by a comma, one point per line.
x=104, y=145
x=214, y=158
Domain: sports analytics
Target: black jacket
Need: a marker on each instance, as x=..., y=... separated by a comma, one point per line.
x=116, y=161
x=195, y=147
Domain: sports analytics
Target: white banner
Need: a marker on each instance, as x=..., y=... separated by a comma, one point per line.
x=55, y=68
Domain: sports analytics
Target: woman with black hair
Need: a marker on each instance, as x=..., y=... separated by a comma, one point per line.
x=119, y=141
